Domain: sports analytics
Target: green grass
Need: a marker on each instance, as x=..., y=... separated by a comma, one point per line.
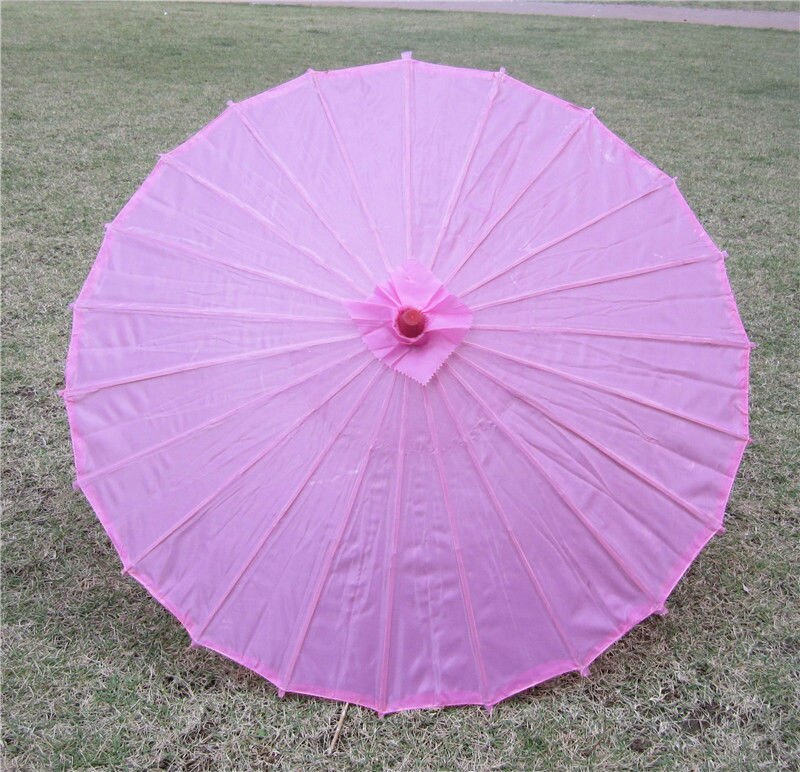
x=97, y=674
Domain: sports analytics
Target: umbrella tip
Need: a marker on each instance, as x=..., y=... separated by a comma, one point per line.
x=662, y=611
x=502, y=72
x=721, y=530
x=584, y=671
x=231, y=103
x=406, y=55
x=411, y=322
x=281, y=693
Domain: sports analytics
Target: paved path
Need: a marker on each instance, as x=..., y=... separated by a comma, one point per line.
x=786, y=20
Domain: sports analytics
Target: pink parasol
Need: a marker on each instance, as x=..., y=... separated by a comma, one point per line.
x=407, y=385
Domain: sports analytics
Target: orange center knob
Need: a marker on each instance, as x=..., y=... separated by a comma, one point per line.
x=411, y=322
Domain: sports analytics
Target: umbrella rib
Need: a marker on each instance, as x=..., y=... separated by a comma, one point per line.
x=186, y=367
x=273, y=156
x=391, y=579
x=212, y=313
x=563, y=237
x=563, y=550
x=179, y=246
x=459, y=184
x=517, y=440
x=321, y=456
x=408, y=82
x=258, y=217
x=469, y=611
x=325, y=572
x=570, y=134
x=351, y=170
x=605, y=279
x=606, y=389
x=618, y=460
x=82, y=480
x=189, y=516
x=688, y=339
x=500, y=511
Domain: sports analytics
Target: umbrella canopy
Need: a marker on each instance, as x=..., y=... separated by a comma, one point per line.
x=407, y=385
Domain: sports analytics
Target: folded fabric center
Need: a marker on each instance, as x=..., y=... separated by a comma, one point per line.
x=412, y=323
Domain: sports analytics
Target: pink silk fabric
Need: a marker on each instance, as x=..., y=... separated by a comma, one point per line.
x=407, y=523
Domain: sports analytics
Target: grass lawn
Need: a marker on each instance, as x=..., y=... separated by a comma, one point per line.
x=737, y=5
x=97, y=674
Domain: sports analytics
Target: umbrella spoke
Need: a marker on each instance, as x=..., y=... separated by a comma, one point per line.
x=631, y=335
x=622, y=394
x=315, y=464
x=606, y=279
x=469, y=612
x=407, y=64
x=273, y=156
x=459, y=185
x=564, y=237
x=571, y=133
x=180, y=246
x=502, y=515
x=82, y=391
x=388, y=605
x=259, y=217
x=211, y=313
x=351, y=171
x=325, y=572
